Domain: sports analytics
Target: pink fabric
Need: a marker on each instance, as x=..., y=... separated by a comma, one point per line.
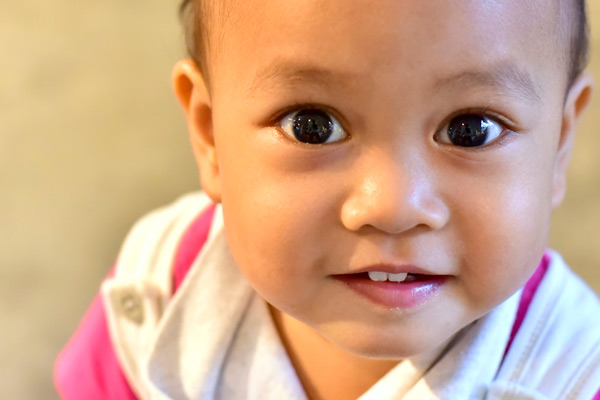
x=87, y=368
x=529, y=290
x=190, y=246
x=527, y=297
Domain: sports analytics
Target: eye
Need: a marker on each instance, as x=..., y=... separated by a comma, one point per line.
x=312, y=126
x=470, y=130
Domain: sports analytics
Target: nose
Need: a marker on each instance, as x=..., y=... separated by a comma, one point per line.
x=394, y=196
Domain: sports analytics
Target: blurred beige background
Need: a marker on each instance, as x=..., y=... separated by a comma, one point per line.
x=91, y=138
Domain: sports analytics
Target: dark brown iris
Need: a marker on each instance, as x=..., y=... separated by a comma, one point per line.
x=312, y=126
x=468, y=130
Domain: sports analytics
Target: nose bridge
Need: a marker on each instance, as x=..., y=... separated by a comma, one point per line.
x=387, y=176
x=394, y=190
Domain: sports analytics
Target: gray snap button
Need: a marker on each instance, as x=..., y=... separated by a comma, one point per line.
x=131, y=305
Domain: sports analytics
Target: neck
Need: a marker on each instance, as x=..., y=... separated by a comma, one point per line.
x=322, y=366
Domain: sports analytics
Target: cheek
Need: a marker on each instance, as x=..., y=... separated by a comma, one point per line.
x=278, y=219
x=505, y=230
x=277, y=246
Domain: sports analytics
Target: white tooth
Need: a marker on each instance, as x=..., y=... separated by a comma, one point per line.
x=378, y=276
x=397, y=277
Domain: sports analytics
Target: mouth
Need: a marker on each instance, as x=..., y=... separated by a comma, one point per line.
x=394, y=290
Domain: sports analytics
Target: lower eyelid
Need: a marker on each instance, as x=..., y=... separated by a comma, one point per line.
x=504, y=138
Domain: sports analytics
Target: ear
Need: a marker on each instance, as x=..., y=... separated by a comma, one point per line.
x=194, y=97
x=578, y=98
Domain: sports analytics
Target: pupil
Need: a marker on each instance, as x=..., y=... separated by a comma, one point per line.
x=312, y=126
x=468, y=130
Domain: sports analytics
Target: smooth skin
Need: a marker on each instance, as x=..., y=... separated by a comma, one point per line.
x=394, y=189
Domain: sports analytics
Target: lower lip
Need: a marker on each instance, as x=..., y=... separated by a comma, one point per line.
x=395, y=294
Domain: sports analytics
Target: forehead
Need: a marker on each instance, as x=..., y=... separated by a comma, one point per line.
x=354, y=37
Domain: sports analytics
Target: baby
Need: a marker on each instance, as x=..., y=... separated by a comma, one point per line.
x=378, y=182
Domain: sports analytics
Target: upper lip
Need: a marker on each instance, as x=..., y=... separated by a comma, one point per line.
x=394, y=269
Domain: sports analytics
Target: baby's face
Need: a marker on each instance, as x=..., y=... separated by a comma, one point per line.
x=408, y=136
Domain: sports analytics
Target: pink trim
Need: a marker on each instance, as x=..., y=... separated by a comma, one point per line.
x=190, y=246
x=527, y=295
x=597, y=396
x=87, y=368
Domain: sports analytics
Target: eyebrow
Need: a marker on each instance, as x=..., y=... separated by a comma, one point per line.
x=291, y=73
x=503, y=75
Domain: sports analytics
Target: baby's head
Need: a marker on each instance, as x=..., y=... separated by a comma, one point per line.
x=351, y=141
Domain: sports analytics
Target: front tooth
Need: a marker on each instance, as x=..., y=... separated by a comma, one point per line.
x=400, y=277
x=378, y=276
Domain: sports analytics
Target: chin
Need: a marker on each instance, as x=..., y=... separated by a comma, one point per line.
x=388, y=346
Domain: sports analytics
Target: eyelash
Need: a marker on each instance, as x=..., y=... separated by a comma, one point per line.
x=305, y=106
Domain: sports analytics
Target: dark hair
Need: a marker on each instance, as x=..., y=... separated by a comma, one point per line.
x=579, y=44
x=193, y=31
x=193, y=12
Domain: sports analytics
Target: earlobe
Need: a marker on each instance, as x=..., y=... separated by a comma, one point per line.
x=578, y=99
x=194, y=97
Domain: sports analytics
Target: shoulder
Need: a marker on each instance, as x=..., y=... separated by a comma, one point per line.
x=87, y=368
x=156, y=236
x=91, y=365
x=557, y=349
x=573, y=312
